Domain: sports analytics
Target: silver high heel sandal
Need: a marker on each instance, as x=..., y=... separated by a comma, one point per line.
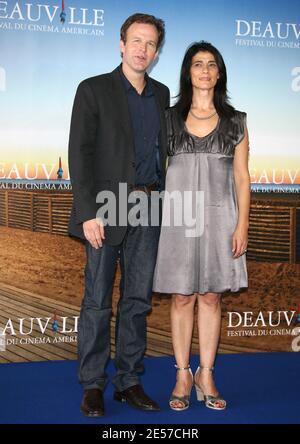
x=185, y=400
x=212, y=402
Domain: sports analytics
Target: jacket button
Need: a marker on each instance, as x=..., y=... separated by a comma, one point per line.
x=133, y=164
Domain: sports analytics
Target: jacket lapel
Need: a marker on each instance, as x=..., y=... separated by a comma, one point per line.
x=119, y=97
x=163, y=132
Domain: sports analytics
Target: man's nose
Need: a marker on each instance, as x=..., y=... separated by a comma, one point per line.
x=143, y=46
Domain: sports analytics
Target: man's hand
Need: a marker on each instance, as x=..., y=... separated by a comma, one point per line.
x=94, y=232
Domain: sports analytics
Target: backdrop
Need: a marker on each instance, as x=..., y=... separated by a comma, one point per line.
x=46, y=49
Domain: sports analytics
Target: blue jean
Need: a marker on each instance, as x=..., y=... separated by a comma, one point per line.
x=137, y=254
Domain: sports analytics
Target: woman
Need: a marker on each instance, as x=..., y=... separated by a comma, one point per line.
x=208, y=153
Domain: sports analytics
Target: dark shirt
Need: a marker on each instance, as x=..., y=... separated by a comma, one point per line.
x=144, y=115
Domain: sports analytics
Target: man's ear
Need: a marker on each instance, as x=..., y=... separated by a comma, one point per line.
x=122, y=46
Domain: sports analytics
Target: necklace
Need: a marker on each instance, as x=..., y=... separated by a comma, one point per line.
x=203, y=118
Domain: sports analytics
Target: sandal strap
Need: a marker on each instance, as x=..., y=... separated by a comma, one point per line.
x=182, y=368
x=184, y=398
x=211, y=369
x=213, y=400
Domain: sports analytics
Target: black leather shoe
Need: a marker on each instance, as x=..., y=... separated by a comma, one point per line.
x=136, y=397
x=92, y=403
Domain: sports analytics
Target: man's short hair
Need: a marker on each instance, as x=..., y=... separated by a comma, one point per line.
x=147, y=19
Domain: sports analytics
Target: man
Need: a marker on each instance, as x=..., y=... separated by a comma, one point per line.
x=118, y=135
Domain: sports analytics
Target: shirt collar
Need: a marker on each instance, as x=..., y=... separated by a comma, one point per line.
x=128, y=86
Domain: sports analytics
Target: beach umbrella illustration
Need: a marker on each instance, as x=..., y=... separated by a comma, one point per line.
x=63, y=14
x=55, y=322
x=60, y=170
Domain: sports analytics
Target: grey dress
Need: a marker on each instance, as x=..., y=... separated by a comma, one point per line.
x=201, y=263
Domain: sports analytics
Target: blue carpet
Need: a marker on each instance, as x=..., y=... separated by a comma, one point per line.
x=259, y=388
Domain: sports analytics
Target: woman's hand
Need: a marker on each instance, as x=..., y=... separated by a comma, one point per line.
x=239, y=241
x=242, y=184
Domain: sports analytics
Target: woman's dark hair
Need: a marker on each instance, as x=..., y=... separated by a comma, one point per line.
x=147, y=19
x=221, y=100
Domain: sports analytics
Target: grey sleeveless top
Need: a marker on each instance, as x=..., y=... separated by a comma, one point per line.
x=228, y=133
x=202, y=263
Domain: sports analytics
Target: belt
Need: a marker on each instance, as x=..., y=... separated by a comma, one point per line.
x=147, y=188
